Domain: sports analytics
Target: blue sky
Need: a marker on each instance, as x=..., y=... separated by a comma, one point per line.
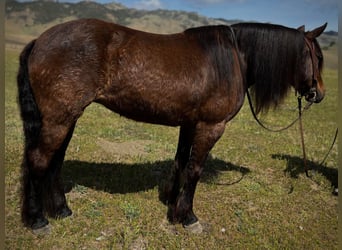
x=292, y=13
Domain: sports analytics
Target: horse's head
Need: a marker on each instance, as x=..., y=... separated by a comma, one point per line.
x=311, y=84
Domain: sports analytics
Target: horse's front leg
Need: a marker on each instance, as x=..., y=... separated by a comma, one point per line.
x=170, y=190
x=205, y=137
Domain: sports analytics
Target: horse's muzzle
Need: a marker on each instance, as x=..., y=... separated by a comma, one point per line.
x=314, y=96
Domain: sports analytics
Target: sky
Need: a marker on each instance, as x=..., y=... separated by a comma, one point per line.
x=291, y=13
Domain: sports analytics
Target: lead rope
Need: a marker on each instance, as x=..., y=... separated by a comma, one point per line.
x=331, y=146
x=300, y=113
x=302, y=134
x=272, y=129
x=302, y=139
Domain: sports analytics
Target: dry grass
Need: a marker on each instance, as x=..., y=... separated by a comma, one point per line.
x=253, y=195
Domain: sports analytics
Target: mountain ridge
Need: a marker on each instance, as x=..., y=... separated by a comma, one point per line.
x=26, y=20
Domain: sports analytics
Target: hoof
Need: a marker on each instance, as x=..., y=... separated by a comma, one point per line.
x=39, y=223
x=195, y=228
x=63, y=213
x=42, y=230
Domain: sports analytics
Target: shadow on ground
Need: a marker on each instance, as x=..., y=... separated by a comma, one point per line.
x=295, y=166
x=128, y=178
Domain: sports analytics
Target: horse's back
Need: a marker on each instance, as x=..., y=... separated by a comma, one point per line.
x=86, y=50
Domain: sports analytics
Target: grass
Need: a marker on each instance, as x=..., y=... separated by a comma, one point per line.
x=253, y=195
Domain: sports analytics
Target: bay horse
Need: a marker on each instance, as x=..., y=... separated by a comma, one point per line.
x=196, y=79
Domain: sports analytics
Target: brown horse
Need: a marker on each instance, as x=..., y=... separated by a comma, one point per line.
x=196, y=79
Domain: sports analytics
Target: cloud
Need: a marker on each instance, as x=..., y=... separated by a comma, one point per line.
x=148, y=4
x=324, y=7
x=329, y=3
x=216, y=1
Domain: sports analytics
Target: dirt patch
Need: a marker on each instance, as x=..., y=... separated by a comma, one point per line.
x=132, y=148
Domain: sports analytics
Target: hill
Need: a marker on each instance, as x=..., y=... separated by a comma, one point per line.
x=27, y=20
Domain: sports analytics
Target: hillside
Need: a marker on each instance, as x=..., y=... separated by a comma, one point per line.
x=27, y=20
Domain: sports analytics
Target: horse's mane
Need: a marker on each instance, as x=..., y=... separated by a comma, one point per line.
x=218, y=41
x=273, y=55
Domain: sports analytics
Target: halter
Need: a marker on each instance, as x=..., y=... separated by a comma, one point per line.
x=313, y=90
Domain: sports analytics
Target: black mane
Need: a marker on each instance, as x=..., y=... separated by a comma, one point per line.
x=273, y=55
x=218, y=41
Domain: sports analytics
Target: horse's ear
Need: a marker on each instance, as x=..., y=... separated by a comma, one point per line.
x=301, y=28
x=316, y=32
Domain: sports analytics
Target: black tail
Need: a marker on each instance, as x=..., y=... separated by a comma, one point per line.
x=29, y=110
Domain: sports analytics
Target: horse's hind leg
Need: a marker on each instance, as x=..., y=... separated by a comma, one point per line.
x=205, y=137
x=41, y=169
x=55, y=202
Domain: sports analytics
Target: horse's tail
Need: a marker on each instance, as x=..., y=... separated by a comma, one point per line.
x=30, y=113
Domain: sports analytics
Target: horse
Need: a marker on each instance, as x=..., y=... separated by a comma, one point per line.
x=196, y=79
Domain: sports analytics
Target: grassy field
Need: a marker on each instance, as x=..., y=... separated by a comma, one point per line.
x=253, y=195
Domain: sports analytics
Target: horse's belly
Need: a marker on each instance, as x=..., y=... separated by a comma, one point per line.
x=173, y=109
x=157, y=109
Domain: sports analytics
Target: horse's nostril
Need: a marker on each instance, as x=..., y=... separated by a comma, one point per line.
x=311, y=96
